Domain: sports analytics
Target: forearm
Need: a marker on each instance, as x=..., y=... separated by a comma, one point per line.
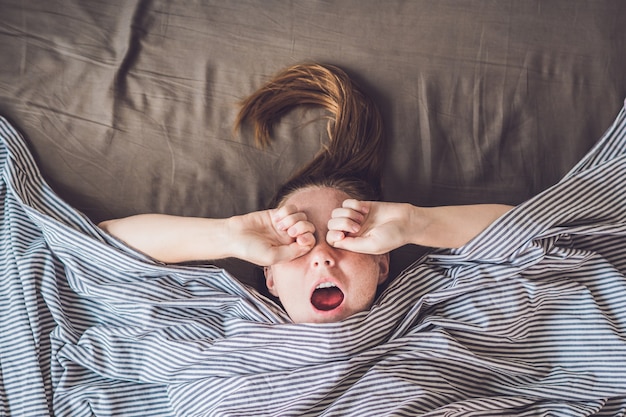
x=452, y=226
x=173, y=239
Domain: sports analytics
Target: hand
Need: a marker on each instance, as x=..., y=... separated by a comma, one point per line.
x=377, y=227
x=271, y=236
x=369, y=227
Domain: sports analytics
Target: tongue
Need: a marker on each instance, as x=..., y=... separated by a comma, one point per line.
x=327, y=299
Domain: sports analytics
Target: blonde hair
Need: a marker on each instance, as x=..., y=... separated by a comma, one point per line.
x=354, y=157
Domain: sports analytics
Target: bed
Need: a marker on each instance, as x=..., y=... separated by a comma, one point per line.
x=126, y=107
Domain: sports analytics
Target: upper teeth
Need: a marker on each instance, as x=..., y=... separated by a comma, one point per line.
x=325, y=285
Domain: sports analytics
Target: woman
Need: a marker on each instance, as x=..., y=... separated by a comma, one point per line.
x=527, y=318
x=324, y=245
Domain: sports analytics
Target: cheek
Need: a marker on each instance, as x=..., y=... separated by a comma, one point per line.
x=283, y=279
x=365, y=273
x=365, y=266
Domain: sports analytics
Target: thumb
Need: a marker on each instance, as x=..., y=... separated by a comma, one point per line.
x=285, y=253
x=353, y=244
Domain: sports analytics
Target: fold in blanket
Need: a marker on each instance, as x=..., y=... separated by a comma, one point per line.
x=529, y=318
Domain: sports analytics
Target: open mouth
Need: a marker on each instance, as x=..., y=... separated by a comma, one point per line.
x=327, y=296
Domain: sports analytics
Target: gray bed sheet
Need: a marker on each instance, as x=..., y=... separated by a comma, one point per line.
x=129, y=105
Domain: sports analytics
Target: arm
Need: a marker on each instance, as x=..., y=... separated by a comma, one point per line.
x=263, y=237
x=454, y=226
x=172, y=238
x=378, y=227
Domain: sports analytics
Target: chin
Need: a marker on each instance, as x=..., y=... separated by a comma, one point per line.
x=319, y=316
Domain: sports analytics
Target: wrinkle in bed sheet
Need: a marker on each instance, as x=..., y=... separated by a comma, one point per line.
x=533, y=308
x=124, y=101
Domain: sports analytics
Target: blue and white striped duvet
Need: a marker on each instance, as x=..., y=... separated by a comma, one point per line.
x=527, y=319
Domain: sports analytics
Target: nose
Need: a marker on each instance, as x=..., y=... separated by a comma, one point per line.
x=323, y=254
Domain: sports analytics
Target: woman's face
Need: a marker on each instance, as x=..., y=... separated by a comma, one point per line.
x=326, y=284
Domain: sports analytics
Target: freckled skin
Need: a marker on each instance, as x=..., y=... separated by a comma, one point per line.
x=357, y=275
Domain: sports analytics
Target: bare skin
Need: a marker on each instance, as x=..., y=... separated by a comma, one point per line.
x=262, y=237
x=353, y=276
x=319, y=236
x=378, y=227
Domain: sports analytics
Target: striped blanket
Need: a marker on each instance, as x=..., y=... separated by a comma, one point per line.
x=529, y=318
